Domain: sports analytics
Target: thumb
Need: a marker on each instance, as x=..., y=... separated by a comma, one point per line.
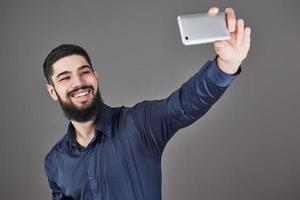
x=218, y=44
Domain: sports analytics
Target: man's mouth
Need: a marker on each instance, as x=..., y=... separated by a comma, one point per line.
x=81, y=95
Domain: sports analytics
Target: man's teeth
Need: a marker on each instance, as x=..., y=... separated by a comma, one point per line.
x=81, y=94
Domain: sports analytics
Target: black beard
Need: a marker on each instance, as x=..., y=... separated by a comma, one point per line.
x=82, y=114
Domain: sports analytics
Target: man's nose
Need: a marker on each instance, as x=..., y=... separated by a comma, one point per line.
x=76, y=81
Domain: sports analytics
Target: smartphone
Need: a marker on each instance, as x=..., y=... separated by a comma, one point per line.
x=202, y=28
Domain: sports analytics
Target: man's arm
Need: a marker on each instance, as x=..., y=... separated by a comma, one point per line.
x=55, y=190
x=157, y=121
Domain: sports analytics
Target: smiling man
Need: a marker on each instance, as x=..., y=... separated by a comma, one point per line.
x=115, y=153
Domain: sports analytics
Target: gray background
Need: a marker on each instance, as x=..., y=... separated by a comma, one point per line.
x=246, y=147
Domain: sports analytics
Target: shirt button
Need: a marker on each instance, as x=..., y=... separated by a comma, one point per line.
x=91, y=178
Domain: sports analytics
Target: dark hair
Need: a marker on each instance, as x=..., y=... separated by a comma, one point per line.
x=60, y=52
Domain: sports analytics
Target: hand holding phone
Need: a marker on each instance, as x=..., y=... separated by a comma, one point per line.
x=203, y=28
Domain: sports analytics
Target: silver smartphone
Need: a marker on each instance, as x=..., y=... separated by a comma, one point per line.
x=202, y=28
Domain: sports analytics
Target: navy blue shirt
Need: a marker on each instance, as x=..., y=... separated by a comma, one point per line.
x=123, y=161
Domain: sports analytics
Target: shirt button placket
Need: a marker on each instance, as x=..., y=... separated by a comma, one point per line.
x=91, y=174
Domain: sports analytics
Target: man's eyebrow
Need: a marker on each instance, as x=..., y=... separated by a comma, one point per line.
x=68, y=72
x=84, y=66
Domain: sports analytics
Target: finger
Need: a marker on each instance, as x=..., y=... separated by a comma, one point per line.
x=231, y=21
x=213, y=11
x=240, y=31
x=246, y=39
x=218, y=44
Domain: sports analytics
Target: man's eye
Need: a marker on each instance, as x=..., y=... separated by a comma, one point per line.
x=65, y=78
x=86, y=72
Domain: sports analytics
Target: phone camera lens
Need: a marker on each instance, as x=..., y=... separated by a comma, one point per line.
x=186, y=38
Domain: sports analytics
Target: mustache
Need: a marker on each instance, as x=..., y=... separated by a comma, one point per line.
x=81, y=87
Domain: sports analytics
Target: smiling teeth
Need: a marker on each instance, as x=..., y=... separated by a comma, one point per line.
x=81, y=94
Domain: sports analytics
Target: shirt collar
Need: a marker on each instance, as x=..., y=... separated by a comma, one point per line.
x=103, y=124
x=104, y=120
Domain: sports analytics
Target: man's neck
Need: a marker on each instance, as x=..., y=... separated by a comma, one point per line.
x=84, y=131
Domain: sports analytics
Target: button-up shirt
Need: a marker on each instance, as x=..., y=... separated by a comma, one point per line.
x=123, y=160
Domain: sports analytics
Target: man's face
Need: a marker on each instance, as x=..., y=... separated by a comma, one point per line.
x=75, y=86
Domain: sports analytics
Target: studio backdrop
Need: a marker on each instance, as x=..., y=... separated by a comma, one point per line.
x=246, y=146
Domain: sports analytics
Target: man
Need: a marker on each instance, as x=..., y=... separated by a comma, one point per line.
x=115, y=153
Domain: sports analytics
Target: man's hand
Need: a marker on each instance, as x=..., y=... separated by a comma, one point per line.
x=232, y=52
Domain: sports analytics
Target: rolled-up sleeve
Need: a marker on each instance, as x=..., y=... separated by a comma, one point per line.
x=158, y=120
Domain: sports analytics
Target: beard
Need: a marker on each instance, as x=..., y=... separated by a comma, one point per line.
x=83, y=114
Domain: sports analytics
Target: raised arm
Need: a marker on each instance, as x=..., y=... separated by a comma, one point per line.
x=158, y=120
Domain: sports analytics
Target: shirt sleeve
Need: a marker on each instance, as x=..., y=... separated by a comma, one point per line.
x=158, y=120
x=55, y=190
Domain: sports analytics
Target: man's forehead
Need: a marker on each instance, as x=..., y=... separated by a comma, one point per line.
x=69, y=63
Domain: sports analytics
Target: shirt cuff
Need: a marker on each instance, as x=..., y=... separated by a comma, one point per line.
x=218, y=77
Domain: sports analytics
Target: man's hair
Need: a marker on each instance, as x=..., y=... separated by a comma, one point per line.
x=60, y=52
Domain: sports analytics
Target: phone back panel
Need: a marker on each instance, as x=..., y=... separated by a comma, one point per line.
x=202, y=28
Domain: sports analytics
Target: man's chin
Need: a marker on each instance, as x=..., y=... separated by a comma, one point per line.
x=81, y=105
x=82, y=111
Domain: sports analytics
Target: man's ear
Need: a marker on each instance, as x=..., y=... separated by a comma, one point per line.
x=52, y=92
